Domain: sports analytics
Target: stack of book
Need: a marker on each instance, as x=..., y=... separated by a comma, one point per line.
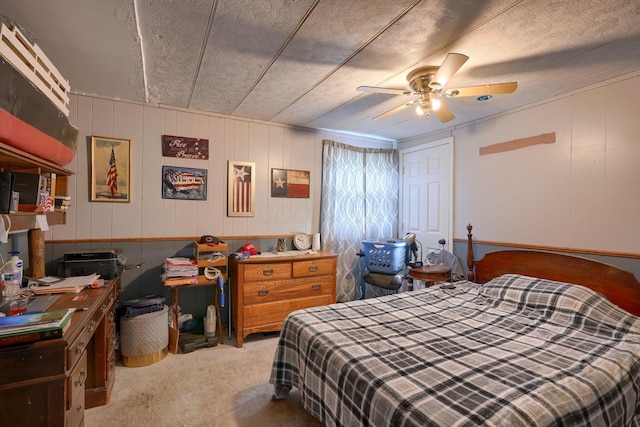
x=34, y=326
x=179, y=271
x=62, y=203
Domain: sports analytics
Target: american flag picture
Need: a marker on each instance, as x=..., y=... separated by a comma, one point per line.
x=110, y=169
x=112, y=174
x=241, y=189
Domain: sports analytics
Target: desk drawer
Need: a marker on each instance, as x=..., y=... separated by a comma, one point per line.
x=314, y=267
x=75, y=386
x=273, y=271
x=277, y=290
x=79, y=344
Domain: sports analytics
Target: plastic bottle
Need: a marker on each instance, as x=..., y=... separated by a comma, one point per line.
x=210, y=322
x=13, y=276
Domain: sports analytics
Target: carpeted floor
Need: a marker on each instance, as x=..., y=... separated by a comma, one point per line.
x=218, y=386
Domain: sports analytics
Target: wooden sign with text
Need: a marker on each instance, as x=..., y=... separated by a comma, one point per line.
x=185, y=148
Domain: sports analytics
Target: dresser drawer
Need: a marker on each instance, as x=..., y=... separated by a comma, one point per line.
x=275, y=312
x=273, y=271
x=277, y=290
x=314, y=267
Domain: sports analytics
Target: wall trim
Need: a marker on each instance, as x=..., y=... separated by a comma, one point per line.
x=553, y=248
x=165, y=239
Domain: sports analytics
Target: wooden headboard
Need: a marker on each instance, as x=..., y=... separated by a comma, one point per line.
x=620, y=286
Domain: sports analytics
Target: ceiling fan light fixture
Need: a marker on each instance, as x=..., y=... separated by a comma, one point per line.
x=419, y=110
x=435, y=104
x=424, y=106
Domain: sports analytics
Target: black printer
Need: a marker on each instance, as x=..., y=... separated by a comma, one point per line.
x=82, y=263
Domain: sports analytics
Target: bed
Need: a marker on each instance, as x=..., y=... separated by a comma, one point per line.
x=513, y=350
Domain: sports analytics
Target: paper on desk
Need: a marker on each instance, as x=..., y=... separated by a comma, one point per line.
x=69, y=284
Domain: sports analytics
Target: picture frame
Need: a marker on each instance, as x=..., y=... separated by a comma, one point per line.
x=241, y=191
x=110, y=169
x=184, y=183
x=290, y=183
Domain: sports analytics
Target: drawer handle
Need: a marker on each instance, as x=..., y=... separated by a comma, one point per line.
x=263, y=292
x=80, y=347
x=81, y=378
x=92, y=325
x=268, y=272
x=313, y=268
x=316, y=286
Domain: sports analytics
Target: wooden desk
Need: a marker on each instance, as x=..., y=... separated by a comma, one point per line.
x=51, y=382
x=431, y=274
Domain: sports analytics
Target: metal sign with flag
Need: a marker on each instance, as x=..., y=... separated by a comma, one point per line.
x=241, y=191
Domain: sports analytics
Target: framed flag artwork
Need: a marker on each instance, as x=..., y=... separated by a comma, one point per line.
x=241, y=189
x=289, y=183
x=110, y=169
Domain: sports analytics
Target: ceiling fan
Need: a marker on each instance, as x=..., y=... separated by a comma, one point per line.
x=427, y=83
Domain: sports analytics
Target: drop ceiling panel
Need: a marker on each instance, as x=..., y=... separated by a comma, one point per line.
x=245, y=38
x=173, y=36
x=299, y=62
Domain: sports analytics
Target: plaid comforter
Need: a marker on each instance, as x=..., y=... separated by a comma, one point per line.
x=516, y=351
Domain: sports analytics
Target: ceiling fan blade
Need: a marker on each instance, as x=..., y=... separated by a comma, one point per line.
x=384, y=90
x=395, y=110
x=493, y=89
x=443, y=113
x=449, y=67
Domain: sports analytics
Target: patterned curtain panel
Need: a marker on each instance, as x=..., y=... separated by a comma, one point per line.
x=359, y=201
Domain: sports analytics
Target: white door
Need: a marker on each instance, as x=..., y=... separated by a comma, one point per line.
x=426, y=193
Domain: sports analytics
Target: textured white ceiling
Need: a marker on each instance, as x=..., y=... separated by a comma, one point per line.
x=299, y=62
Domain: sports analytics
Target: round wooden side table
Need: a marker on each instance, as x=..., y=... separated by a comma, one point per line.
x=431, y=274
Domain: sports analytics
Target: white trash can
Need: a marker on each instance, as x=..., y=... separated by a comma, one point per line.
x=144, y=339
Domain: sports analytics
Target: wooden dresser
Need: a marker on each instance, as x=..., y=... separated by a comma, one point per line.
x=51, y=382
x=266, y=288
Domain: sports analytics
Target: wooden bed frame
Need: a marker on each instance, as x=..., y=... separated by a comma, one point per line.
x=620, y=286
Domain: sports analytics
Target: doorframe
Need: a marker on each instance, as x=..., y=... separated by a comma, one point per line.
x=407, y=151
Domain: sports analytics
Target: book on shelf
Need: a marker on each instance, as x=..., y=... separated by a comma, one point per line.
x=62, y=203
x=28, y=185
x=47, y=191
x=34, y=326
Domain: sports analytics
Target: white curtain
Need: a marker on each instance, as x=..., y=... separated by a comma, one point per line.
x=359, y=201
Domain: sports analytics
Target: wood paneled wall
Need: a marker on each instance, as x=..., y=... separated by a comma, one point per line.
x=149, y=215
x=580, y=192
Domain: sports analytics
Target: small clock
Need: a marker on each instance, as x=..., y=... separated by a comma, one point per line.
x=302, y=241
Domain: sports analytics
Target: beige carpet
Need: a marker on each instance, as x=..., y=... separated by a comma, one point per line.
x=218, y=386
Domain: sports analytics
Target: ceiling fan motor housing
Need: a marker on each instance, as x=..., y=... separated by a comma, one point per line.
x=420, y=79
